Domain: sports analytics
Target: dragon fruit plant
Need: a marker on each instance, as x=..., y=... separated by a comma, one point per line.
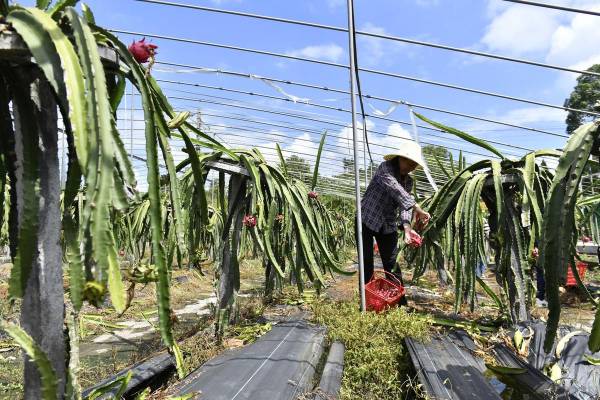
x=65, y=44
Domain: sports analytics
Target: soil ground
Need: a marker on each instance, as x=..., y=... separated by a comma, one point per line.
x=111, y=342
x=427, y=296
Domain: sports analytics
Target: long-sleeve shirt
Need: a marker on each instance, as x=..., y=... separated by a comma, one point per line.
x=387, y=199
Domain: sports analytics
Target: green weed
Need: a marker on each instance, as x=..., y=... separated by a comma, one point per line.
x=376, y=364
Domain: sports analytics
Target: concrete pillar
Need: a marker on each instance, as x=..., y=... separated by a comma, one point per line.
x=42, y=310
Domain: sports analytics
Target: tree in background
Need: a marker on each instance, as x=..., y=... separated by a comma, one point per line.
x=438, y=151
x=434, y=156
x=299, y=168
x=585, y=96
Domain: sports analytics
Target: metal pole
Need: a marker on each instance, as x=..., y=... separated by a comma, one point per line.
x=359, y=243
x=131, y=98
x=365, y=159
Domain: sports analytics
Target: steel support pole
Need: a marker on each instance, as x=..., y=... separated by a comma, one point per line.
x=131, y=115
x=365, y=157
x=359, y=243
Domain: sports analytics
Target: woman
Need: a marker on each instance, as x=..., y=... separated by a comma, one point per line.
x=387, y=206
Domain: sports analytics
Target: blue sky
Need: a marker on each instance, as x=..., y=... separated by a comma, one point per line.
x=487, y=25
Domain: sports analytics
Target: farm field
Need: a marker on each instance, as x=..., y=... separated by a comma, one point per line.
x=232, y=200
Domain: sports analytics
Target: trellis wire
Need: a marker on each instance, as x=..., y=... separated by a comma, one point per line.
x=553, y=6
x=368, y=115
x=377, y=35
x=369, y=96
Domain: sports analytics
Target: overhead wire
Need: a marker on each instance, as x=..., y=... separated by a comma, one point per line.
x=329, y=122
x=334, y=123
x=556, y=7
x=374, y=116
x=228, y=133
x=220, y=88
x=377, y=72
x=375, y=35
x=309, y=130
x=293, y=116
x=397, y=75
x=370, y=96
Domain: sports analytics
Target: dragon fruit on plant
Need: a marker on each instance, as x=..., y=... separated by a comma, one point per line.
x=313, y=194
x=249, y=221
x=415, y=239
x=142, y=51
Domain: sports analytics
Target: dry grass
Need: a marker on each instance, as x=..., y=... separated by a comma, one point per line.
x=196, y=339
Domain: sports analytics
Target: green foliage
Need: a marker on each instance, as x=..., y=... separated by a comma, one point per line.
x=513, y=192
x=249, y=333
x=120, y=383
x=462, y=135
x=559, y=231
x=298, y=168
x=376, y=362
x=318, y=160
x=37, y=356
x=585, y=96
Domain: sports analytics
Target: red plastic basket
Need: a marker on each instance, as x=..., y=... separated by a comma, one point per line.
x=581, y=268
x=381, y=292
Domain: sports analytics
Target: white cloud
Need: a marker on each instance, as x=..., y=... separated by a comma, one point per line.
x=573, y=43
x=533, y=115
x=536, y=117
x=371, y=50
x=519, y=30
x=328, y=52
x=427, y=3
x=558, y=37
x=335, y=3
x=378, y=143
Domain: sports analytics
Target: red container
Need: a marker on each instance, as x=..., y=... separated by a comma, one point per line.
x=383, y=291
x=581, y=268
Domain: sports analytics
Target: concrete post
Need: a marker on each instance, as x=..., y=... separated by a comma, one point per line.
x=42, y=311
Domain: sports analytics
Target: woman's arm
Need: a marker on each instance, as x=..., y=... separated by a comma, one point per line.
x=400, y=194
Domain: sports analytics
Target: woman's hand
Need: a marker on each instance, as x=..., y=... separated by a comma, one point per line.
x=535, y=253
x=422, y=217
x=407, y=233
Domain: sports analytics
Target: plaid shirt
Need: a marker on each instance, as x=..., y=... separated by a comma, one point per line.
x=387, y=195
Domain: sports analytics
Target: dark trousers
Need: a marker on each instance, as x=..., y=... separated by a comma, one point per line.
x=541, y=283
x=388, y=250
